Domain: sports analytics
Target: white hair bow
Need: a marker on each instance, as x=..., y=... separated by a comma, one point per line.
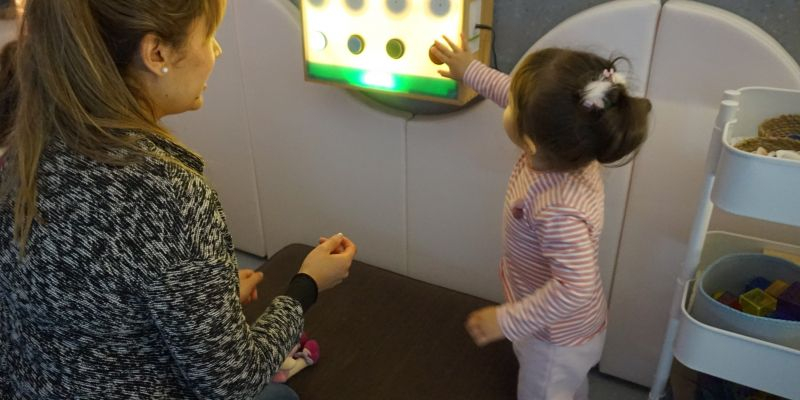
x=594, y=94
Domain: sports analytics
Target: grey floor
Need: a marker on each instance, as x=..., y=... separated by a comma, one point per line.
x=601, y=386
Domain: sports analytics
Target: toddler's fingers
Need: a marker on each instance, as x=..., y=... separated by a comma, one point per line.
x=473, y=327
x=439, y=54
x=446, y=51
x=445, y=74
x=452, y=45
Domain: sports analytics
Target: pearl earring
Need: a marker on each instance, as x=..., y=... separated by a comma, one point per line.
x=164, y=70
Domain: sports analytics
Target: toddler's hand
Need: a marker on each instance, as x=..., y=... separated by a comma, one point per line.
x=482, y=325
x=454, y=56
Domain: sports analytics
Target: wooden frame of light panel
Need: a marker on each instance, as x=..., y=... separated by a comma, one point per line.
x=351, y=44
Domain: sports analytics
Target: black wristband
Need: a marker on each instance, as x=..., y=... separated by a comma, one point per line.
x=303, y=289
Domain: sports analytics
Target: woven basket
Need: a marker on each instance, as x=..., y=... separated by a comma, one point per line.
x=769, y=144
x=782, y=126
x=774, y=134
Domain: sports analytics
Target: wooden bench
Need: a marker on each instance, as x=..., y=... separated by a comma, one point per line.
x=384, y=336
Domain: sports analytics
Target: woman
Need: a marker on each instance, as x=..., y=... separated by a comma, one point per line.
x=118, y=277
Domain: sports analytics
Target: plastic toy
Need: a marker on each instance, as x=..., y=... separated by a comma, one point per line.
x=756, y=302
x=789, y=301
x=728, y=299
x=777, y=288
x=304, y=354
x=758, y=282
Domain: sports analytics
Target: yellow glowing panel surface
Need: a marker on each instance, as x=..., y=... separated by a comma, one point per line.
x=335, y=30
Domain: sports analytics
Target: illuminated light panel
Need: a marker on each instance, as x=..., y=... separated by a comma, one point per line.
x=405, y=29
x=378, y=79
x=386, y=81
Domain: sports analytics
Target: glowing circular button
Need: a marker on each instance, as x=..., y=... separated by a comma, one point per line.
x=318, y=41
x=396, y=6
x=355, y=5
x=355, y=44
x=395, y=48
x=439, y=8
x=433, y=57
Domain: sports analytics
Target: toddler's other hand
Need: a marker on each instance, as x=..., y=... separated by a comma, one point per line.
x=455, y=56
x=482, y=325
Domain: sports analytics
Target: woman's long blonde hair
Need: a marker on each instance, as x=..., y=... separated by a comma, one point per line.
x=73, y=81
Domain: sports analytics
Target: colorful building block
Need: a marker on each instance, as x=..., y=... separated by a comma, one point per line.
x=779, y=314
x=789, y=301
x=756, y=302
x=758, y=282
x=777, y=288
x=728, y=299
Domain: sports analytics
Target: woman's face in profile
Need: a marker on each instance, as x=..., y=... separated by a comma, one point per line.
x=189, y=76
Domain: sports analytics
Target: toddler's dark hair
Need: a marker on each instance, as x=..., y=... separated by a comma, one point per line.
x=547, y=91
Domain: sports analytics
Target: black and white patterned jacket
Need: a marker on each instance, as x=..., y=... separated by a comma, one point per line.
x=129, y=288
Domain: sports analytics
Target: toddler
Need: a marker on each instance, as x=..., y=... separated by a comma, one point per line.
x=569, y=111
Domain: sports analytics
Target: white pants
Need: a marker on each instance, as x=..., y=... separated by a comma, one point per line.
x=550, y=372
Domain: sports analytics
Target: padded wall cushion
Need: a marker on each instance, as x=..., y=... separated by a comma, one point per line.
x=700, y=51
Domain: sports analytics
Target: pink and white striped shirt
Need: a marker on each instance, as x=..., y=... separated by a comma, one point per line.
x=552, y=225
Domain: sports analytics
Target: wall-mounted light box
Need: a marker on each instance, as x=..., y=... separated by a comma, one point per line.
x=383, y=45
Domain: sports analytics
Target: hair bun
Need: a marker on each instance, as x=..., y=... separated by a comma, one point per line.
x=595, y=94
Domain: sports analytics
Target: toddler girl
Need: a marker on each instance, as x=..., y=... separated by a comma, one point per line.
x=569, y=111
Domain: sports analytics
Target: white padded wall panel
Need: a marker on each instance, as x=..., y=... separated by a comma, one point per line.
x=458, y=165
x=220, y=133
x=325, y=161
x=699, y=52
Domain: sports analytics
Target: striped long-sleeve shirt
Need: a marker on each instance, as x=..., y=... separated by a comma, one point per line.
x=552, y=223
x=129, y=288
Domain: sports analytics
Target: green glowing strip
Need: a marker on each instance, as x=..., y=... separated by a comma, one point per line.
x=397, y=83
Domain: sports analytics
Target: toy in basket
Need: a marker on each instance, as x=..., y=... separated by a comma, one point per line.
x=738, y=292
x=777, y=137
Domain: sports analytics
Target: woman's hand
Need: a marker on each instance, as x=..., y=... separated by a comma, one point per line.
x=483, y=327
x=248, y=280
x=329, y=263
x=455, y=56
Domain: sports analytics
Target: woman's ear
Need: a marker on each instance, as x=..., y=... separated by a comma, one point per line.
x=155, y=54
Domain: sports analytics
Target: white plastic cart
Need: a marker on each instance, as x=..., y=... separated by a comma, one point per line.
x=753, y=186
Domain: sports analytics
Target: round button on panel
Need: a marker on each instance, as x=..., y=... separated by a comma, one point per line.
x=439, y=8
x=395, y=48
x=355, y=44
x=355, y=5
x=316, y=3
x=396, y=6
x=318, y=41
x=433, y=57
